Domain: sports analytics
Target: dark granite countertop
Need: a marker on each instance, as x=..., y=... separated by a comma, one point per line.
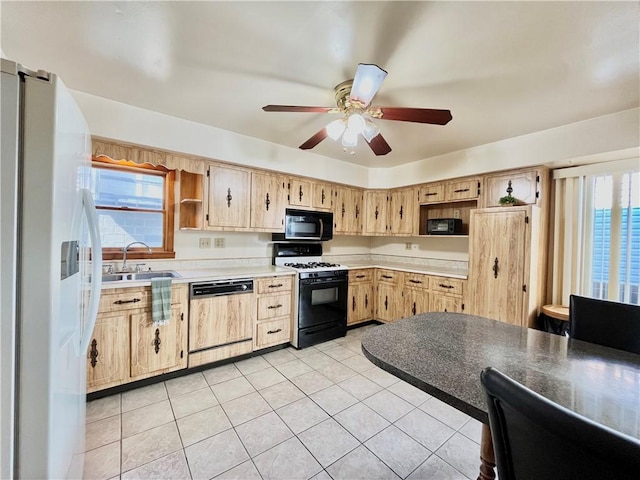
x=444, y=353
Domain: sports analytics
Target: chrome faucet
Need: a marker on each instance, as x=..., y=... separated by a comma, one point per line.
x=125, y=268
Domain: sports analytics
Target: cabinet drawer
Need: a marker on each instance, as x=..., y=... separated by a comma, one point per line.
x=451, y=286
x=125, y=299
x=274, y=306
x=274, y=284
x=416, y=280
x=365, y=275
x=388, y=276
x=272, y=333
x=463, y=190
x=431, y=193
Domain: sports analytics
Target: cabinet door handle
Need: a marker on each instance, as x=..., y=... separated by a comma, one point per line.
x=366, y=300
x=300, y=193
x=357, y=211
x=376, y=213
x=93, y=354
x=414, y=281
x=413, y=310
x=275, y=306
x=445, y=286
x=400, y=212
x=353, y=303
x=495, y=268
x=267, y=202
x=121, y=302
x=322, y=197
x=343, y=210
x=274, y=331
x=229, y=197
x=386, y=276
x=156, y=341
x=277, y=285
x=461, y=190
x=386, y=302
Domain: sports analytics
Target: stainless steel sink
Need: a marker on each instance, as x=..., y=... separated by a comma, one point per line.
x=124, y=277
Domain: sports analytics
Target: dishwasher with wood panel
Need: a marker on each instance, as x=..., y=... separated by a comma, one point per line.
x=221, y=318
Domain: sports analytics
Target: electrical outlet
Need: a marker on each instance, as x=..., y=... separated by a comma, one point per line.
x=205, y=243
x=456, y=214
x=218, y=242
x=407, y=246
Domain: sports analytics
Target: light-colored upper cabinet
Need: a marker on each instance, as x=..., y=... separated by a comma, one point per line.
x=465, y=189
x=191, y=194
x=322, y=198
x=431, y=193
x=348, y=211
x=527, y=185
x=300, y=192
x=375, y=212
x=402, y=211
x=228, y=202
x=268, y=201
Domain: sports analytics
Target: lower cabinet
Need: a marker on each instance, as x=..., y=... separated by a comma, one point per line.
x=274, y=311
x=127, y=346
x=447, y=294
x=360, y=295
x=415, y=293
x=389, y=300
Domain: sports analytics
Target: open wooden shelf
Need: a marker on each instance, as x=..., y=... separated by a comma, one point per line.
x=191, y=198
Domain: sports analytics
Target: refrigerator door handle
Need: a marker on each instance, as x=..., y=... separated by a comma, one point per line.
x=96, y=266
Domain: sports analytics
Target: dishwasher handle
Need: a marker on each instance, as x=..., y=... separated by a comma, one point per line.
x=222, y=287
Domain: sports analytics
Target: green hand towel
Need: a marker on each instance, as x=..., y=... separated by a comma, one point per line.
x=161, y=300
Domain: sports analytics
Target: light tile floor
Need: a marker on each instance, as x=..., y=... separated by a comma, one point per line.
x=324, y=412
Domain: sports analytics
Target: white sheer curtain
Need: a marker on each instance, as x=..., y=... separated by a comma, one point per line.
x=604, y=264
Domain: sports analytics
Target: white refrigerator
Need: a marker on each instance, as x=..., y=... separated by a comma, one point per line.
x=49, y=252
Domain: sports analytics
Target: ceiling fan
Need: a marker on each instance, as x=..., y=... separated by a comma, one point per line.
x=353, y=99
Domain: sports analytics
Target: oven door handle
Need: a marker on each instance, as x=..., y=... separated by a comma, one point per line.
x=334, y=282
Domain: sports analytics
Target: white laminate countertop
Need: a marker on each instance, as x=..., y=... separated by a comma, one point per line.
x=403, y=267
x=231, y=273
x=208, y=274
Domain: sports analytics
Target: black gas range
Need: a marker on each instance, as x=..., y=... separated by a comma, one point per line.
x=320, y=313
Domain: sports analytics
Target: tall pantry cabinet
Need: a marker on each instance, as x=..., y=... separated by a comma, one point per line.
x=507, y=259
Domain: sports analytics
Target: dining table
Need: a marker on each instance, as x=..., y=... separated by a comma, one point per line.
x=443, y=353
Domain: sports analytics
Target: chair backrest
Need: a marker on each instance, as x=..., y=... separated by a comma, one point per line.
x=611, y=324
x=534, y=438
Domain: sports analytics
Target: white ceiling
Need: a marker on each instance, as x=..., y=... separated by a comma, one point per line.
x=503, y=68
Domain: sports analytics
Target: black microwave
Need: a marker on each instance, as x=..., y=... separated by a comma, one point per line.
x=306, y=225
x=444, y=226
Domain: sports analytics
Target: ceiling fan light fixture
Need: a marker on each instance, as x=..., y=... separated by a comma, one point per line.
x=335, y=129
x=349, y=138
x=370, y=130
x=356, y=123
x=366, y=83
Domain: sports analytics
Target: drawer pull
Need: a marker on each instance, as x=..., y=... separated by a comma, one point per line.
x=274, y=331
x=431, y=194
x=360, y=276
x=415, y=281
x=277, y=285
x=133, y=300
x=386, y=276
x=445, y=286
x=275, y=306
x=94, y=353
x=461, y=190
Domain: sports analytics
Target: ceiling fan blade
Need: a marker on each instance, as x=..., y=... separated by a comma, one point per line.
x=379, y=145
x=315, y=140
x=366, y=83
x=296, y=108
x=419, y=115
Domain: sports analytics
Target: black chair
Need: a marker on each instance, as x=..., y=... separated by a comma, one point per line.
x=534, y=438
x=610, y=324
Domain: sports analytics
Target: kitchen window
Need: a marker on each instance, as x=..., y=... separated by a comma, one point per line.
x=596, y=250
x=134, y=204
